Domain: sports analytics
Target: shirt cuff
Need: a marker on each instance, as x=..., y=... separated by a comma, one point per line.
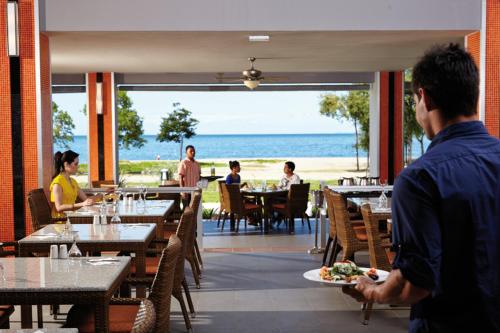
x=416, y=269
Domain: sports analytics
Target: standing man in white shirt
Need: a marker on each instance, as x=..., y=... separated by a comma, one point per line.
x=289, y=178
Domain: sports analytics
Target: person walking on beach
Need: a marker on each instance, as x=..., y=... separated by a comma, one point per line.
x=446, y=208
x=189, y=173
x=290, y=177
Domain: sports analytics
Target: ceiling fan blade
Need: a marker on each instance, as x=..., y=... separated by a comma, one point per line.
x=275, y=78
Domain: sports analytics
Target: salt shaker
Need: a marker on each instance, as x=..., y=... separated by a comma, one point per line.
x=63, y=251
x=54, y=252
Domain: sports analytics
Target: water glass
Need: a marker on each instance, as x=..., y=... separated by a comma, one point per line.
x=2, y=272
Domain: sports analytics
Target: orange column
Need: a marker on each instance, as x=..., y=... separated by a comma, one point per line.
x=101, y=128
x=7, y=192
x=492, y=68
x=391, y=125
x=26, y=147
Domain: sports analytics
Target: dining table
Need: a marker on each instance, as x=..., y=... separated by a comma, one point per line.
x=45, y=281
x=93, y=238
x=138, y=211
x=361, y=191
x=268, y=197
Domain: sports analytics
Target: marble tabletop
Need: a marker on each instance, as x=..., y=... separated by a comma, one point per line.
x=90, y=233
x=141, y=208
x=60, y=275
x=373, y=204
x=357, y=188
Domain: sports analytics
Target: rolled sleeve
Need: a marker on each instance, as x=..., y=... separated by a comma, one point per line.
x=417, y=234
x=182, y=169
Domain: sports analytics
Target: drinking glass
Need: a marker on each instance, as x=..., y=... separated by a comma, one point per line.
x=2, y=272
x=145, y=193
x=74, y=252
x=382, y=200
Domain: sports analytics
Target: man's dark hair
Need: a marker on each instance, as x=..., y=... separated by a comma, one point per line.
x=190, y=146
x=449, y=76
x=290, y=165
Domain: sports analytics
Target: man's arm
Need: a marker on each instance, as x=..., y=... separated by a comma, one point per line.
x=395, y=290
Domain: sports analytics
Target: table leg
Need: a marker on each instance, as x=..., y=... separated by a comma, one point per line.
x=101, y=313
x=26, y=316
x=232, y=223
x=140, y=267
x=267, y=206
x=160, y=235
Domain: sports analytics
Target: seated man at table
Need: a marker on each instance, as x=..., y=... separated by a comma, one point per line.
x=290, y=177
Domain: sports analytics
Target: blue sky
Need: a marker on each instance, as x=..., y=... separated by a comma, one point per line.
x=251, y=112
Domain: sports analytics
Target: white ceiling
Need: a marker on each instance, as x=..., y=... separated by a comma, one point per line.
x=212, y=52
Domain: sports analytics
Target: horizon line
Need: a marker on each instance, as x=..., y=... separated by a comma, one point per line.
x=249, y=134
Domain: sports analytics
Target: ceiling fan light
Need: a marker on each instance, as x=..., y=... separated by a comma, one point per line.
x=251, y=84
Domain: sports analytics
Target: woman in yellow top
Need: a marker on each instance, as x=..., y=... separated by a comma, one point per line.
x=64, y=189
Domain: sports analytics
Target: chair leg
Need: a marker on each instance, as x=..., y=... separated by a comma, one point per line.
x=327, y=248
x=291, y=224
x=308, y=222
x=224, y=221
x=366, y=311
x=237, y=221
x=196, y=274
x=178, y=295
x=335, y=251
x=188, y=297
x=198, y=254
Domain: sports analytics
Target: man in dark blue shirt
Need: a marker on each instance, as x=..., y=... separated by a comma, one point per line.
x=446, y=208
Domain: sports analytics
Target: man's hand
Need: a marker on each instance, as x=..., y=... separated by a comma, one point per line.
x=363, y=291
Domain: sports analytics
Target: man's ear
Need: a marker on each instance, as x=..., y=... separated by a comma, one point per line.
x=429, y=104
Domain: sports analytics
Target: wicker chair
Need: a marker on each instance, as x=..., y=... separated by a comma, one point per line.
x=222, y=208
x=193, y=255
x=122, y=311
x=351, y=238
x=234, y=204
x=6, y=310
x=377, y=244
x=41, y=213
x=295, y=205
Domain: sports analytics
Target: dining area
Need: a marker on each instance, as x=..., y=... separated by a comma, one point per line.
x=113, y=265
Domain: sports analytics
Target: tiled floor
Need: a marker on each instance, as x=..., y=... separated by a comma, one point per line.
x=254, y=283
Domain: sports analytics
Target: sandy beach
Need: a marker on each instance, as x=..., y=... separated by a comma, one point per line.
x=308, y=168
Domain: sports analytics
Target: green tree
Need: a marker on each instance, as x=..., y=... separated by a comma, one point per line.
x=130, y=124
x=354, y=107
x=130, y=128
x=62, y=126
x=411, y=128
x=177, y=126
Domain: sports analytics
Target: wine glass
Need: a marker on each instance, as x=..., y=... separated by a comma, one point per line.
x=144, y=193
x=382, y=200
x=74, y=252
x=2, y=272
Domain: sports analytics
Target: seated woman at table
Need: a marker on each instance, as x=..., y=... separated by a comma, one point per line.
x=234, y=177
x=64, y=189
x=289, y=177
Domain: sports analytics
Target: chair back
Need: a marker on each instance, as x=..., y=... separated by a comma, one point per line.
x=221, y=198
x=331, y=215
x=184, y=232
x=233, y=201
x=163, y=283
x=195, y=206
x=40, y=210
x=298, y=197
x=99, y=183
x=145, y=318
x=378, y=256
x=345, y=232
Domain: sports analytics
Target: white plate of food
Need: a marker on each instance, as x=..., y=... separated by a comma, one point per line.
x=344, y=273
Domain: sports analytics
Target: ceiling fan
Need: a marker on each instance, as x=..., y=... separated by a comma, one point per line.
x=251, y=77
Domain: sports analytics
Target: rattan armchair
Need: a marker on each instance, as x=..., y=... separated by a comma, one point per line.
x=352, y=238
x=295, y=205
x=122, y=311
x=222, y=208
x=193, y=255
x=235, y=205
x=41, y=213
x=377, y=244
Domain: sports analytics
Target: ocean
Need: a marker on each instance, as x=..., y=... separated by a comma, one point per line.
x=240, y=146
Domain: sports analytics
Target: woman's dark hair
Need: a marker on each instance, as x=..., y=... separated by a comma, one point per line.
x=290, y=165
x=449, y=76
x=233, y=164
x=59, y=158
